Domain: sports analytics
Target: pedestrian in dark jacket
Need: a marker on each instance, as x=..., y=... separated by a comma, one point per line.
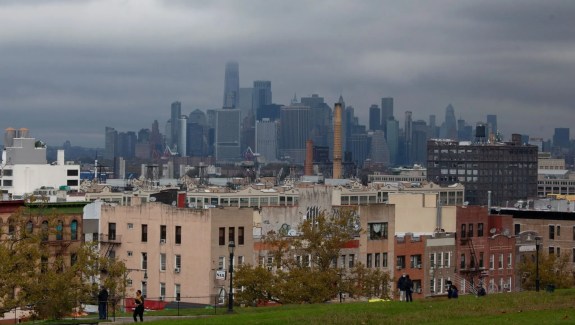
x=103, y=303
x=139, y=310
x=401, y=287
x=408, y=289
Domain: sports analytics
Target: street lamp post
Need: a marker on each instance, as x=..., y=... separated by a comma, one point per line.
x=231, y=248
x=537, y=263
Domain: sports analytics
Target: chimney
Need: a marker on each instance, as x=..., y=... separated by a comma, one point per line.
x=308, y=165
x=337, y=141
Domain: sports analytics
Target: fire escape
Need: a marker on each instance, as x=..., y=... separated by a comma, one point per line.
x=108, y=243
x=472, y=272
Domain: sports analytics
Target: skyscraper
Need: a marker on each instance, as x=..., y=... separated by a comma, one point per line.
x=232, y=85
x=262, y=94
x=227, y=134
x=176, y=112
x=492, y=124
x=392, y=136
x=561, y=138
x=386, y=112
x=449, y=127
x=295, y=124
x=374, y=118
x=408, y=138
x=267, y=139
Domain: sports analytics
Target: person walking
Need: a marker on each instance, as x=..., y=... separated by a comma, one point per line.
x=103, y=303
x=139, y=310
x=408, y=289
x=401, y=287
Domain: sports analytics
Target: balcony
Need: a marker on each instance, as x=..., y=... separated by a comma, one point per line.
x=113, y=239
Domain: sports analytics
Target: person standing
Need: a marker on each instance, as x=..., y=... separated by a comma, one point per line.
x=103, y=303
x=408, y=289
x=139, y=310
x=401, y=287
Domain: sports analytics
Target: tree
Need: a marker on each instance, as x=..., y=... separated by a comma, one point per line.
x=553, y=269
x=303, y=268
x=46, y=274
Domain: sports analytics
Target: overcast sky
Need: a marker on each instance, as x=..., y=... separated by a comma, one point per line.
x=68, y=68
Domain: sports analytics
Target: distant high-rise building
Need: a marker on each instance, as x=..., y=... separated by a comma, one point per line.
x=419, y=142
x=433, y=130
x=156, y=141
x=267, y=139
x=227, y=134
x=449, y=127
x=374, y=118
x=111, y=139
x=262, y=94
x=379, y=149
x=386, y=112
x=408, y=133
x=561, y=138
x=295, y=124
x=359, y=148
x=231, y=85
x=393, y=141
x=321, y=120
x=246, y=99
x=197, y=116
x=176, y=112
x=182, y=136
x=492, y=124
x=126, y=144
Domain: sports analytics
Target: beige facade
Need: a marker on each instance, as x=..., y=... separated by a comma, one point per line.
x=170, y=250
x=419, y=213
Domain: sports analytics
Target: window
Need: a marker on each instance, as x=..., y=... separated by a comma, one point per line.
x=130, y=253
x=518, y=229
x=551, y=250
x=462, y=262
x=178, y=235
x=231, y=234
x=400, y=262
x=45, y=233
x=377, y=231
x=440, y=259
x=558, y=230
x=177, y=291
x=491, y=262
x=112, y=231
x=432, y=260
x=60, y=230
x=163, y=234
x=144, y=261
x=480, y=230
x=368, y=262
x=343, y=265
x=29, y=227
x=351, y=260
x=384, y=259
x=240, y=260
x=222, y=263
x=72, y=182
x=222, y=236
x=447, y=259
x=500, y=264
x=240, y=235
x=144, y=289
x=74, y=230
x=144, y=233
x=509, y=260
x=415, y=261
x=463, y=232
x=73, y=259
x=72, y=172
x=481, y=265
x=162, y=291
x=178, y=261
x=551, y=231
x=377, y=260
x=573, y=232
x=162, y=261
x=470, y=230
x=558, y=251
x=130, y=225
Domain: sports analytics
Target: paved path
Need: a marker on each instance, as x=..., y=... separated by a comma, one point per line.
x=124, y=320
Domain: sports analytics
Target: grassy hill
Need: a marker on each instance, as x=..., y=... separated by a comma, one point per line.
x=505, y=308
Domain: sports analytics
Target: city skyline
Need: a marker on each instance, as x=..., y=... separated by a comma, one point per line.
x=70, y=68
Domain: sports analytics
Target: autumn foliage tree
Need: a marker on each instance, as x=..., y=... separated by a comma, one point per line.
x=303, y=268
x=553, y=269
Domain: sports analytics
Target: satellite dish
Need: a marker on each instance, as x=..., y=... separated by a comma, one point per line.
x=174, y=203
x=492, y=231
x=506, y=232
x=292, y=233
x=152, y=199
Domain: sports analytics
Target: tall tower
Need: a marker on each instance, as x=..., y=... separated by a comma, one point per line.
x=450, y=124
x=232, y=85
x=492, y=124
x=386, y=112
x=176, y=112
x=408, y=137
x=262, y=94
x=374, y=118
x=337, y=141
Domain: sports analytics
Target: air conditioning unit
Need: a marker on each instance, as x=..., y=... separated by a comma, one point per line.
x=506, y=286
x=162, y=241
x=161, y=298
x=419, y=266
x=418, y=290
x=177, y=270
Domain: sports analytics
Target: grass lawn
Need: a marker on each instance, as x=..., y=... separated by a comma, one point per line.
x=505, y=308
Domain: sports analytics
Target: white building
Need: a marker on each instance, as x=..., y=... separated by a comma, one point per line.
x=24, y=169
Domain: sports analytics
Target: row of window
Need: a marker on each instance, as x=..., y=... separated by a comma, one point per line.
x=144, y=233
x=44, y=227
x=414, y=261
x=379, y=260
x=467, y=230
x=231, y=235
